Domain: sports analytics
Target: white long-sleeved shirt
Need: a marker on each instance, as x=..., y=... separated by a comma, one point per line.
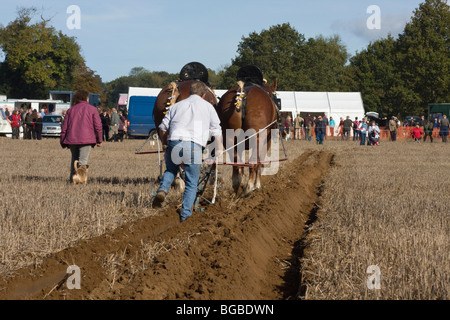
x=192, y=119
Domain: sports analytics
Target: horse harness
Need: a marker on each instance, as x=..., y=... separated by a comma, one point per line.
x=241, y=98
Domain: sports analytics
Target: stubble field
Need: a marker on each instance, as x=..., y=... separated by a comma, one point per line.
x=310, y=233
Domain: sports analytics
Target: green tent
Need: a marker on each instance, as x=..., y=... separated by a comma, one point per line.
x=437, y=110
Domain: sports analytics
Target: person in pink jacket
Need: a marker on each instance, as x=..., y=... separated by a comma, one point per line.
x=81, y=130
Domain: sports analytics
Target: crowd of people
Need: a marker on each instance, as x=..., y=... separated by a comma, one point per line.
x=364, y=131
x=30, y=120
x=114, y=123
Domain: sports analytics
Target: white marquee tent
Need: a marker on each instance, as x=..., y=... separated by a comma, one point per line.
x=332, y=104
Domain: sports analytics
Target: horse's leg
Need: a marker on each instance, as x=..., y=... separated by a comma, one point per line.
x=252, y=172
x=237, y=172
x=263, y=151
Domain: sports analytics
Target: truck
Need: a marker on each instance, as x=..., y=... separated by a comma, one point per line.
x=141, y=102
x=66, y=97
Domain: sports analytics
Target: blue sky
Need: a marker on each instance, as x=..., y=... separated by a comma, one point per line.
x=117, y=35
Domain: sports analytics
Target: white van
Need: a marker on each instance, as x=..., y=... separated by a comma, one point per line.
x=5, y=127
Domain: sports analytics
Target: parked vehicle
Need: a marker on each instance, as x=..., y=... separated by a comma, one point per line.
x=141, y=102
x=140, y=117
x=51, y=125
x=5, y=127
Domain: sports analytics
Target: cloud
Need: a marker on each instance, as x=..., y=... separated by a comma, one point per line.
x=393, y=24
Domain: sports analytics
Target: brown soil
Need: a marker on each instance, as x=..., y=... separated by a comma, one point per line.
x=245, y=249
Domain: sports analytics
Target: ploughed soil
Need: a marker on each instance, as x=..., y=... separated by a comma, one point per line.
x=236, y=249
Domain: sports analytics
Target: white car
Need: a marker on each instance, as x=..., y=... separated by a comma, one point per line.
x=51, y=125
x=5, y=127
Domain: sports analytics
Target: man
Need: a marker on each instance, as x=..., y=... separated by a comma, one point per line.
x=444, y=128
x=186, y=129
x=298, y=127
x=363, y=128
x=106, y=121
x=428, y=128
x=347, y=126
x=115, y=123
x=321, y=130
x=393, y=126
x=309, y=122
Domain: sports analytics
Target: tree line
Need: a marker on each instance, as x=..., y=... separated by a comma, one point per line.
x=396, y=76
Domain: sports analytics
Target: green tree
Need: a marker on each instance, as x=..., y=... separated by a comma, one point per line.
x=424, y=56
x=282, y=52
x=277, y=52
x=375, y=74
x=38, y=58
x=324, y=64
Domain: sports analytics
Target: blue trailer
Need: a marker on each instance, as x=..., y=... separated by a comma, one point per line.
x=140, y=117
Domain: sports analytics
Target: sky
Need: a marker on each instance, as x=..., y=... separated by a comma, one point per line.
x=118, y=35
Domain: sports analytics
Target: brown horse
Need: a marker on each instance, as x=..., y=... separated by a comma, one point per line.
x=250, y=109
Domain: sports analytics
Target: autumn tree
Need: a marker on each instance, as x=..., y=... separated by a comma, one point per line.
x=402, y=76
x=38, y=58
x=284, y=53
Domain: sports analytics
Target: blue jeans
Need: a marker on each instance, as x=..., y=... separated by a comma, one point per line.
x=363, y=136
x=319, y=137
x=190, y=154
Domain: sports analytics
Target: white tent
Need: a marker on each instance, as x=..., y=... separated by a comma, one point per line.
x=332, y=104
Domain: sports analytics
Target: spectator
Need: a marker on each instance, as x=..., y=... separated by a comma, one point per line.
x=326, y=122
x=393, y=128
x=115, y=123
x=15, y=122
x=428, y=129
x=308, y=127
x=122, y=126
x=417, y=133
x=34, y=117
x=29, y=124
x=356, y=129
x=341, y=128
x=436, y=123
x=320, y=129
x=374, y=134
x=106, y=121
x=347, y=126
x=363, y=128
x=444, y=129
x=38, y=126
x=422, y=122
x=332, y=126
x=298, y=124
x=81, y=130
